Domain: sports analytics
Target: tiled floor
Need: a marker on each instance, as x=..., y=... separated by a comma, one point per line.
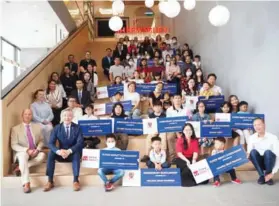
x=247, y=194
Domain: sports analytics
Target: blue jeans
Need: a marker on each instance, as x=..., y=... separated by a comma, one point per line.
x=265, y=162
x=231, y=172
x=118, y=174
x=150, y=164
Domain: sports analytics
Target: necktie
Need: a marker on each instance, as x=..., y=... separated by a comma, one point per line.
x=79, y=97
x=30, y=138
x=109, y=59
x=67, y=132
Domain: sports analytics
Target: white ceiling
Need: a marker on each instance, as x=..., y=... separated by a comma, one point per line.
x=30, y=24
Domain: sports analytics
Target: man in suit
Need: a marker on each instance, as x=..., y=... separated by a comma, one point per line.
x=73, y=66
x=82, y=96
x=120, y=51
x=87, y=60
x=27, y=143
x=69, y=136
x=107, y=61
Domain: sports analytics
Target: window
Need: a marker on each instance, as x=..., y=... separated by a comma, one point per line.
x=10, y=58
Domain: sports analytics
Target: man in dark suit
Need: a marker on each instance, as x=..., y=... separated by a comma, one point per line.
x=107, y=61
x=82, y=95
x=69, y=136
x=72, y=64
x=120, y=51
x=87, y=60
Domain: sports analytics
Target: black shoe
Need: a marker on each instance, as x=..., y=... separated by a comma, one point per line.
x=261, y=180
x=270, y=182
x=173, y=162
x=145, y=158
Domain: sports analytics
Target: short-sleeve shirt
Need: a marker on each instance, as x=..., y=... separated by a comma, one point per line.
x=116, y=70
x=157, y=69
x=154, y=98
x=193, y=147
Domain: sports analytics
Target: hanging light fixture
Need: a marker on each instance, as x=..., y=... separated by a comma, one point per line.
x=149, y=3
x=189, y=4
x=115, y=23
x=219, y=15
x=118, y=7
x=172, y=8
x=162, y=6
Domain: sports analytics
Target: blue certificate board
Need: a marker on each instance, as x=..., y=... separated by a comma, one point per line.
x=114, y=88
x=128, y=126
x=95, y=127
x=164, y=178
x=216, y=129
x=227, y=160
x=126, y=160
x=126, y=104
x=244, y=121
x=171, y=124
x=213, y=102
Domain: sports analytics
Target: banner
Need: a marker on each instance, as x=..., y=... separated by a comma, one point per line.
x=171, y=124
x=216, y=129
x=95, y=127
x=114, y=88
x=152, y=178
x=110, y=159
x=213, y=102
x=219, y=163
x=164, y=178
x=128, y=126
x=244, y=121
x=148, y=88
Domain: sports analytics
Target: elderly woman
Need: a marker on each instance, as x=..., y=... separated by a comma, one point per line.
x=135, y=99
x=42, y=113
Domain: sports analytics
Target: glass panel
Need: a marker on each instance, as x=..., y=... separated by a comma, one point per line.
x=8, y=73
x=8, y=50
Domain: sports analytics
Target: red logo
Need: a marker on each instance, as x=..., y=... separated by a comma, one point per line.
x=85, y=158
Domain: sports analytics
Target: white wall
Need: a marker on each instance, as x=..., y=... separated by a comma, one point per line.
x=243, y=54
x=29, y=56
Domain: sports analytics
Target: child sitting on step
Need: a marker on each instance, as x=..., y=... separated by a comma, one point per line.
x=157, y=155
x=219, y=147
x=117, y=173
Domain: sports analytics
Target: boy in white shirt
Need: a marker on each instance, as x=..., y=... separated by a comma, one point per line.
x=102, y=172
x=197, y=61
x=157, y=155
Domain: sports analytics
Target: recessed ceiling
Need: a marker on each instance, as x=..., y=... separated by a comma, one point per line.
x=31, y=24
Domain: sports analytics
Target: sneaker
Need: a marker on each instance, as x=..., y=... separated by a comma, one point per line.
x=261, y=180
x=270, y=182
x=236, y=181
x=108, y=186
x=216, y=184
x=145, y=158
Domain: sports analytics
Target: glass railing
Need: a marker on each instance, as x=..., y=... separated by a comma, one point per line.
x=30, y=36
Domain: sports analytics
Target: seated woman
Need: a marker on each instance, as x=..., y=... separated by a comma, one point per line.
x=156, y=95
x=201, y=116
x=144, y=70
x=55, y=101
x=129, y=68
x=135, y=99
x=234, y=101
x=55, y=77
x=199, y=79
x=88, y=85
x=122, y=139
x=187, y=149
x=190, y=89
x=185, y=78
x=42, y=114
x=172, y=73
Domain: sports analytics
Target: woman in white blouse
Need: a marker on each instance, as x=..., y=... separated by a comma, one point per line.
x=55, y=77
x=54, y=98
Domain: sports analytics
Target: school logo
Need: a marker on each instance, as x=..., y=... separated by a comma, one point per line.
x=149, y=124
x=131, y=175
x=200, y=171
x=85, y=158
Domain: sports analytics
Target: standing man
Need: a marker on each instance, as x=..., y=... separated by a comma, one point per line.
x=27, y=142
x=73, y=66
x=263, y=151
x=70, y=139
x=82, y=96
x=176, y=110
x=88, y=60
x=107, y=61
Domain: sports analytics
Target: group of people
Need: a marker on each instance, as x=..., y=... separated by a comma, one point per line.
x=53, y=116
